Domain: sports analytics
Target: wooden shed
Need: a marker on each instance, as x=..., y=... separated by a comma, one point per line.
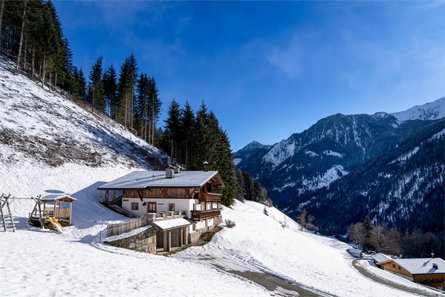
x=59, y=207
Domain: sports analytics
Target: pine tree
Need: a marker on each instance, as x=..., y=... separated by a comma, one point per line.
x=127, y=81
x=95, y=88
x=173, y=128
x=154, y=108
x=110, y=91
x=141, y=106
x=367, y=240
x=187, y=126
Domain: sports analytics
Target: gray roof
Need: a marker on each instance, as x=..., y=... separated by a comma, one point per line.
x=156, y=179
x=422, y=265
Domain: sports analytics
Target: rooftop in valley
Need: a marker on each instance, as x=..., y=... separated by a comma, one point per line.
x=422, y=265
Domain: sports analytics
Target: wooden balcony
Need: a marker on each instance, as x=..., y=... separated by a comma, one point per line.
x=209, y=197
x=198, y=215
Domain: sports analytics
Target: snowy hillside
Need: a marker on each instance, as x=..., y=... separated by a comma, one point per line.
x=429, y=111
x=76, y=263
x=38, y=125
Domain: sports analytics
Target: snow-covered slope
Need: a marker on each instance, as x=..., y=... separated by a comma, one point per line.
x=429, y=111
x=260, y=243
x=36, y=124
x=75, y=263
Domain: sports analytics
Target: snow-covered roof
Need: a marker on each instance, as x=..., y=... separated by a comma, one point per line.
x=58, y=197
x=422, y=265
x=379, y=258
x=171, y=224
x=157, y=179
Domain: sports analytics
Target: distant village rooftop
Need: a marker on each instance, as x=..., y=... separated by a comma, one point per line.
x=422, y=265
x=157, y=179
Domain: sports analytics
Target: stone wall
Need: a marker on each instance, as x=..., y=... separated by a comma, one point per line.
x=142, y=242
x=194, y=236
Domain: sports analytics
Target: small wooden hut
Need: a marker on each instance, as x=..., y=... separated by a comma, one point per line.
x=59, y=207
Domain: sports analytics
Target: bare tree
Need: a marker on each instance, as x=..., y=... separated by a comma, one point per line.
x=302, y=219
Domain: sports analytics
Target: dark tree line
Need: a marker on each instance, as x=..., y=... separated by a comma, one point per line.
x=131, y=99
x=381, y=239
x=191, y=138
x=31, y=34
x=248, y=188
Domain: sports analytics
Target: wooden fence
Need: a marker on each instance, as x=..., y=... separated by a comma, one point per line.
x=117, y=229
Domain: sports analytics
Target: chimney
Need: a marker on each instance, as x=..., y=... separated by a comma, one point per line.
x=169, y=172
x=177, y=169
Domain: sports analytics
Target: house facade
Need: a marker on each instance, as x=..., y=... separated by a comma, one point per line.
x=427, y=271
x=169, y=194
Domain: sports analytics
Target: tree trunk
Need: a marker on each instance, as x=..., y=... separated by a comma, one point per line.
x=25, y=54
x=21, y=37
x=32, y=62
x=43, y=68
x=153, y=130
x=2, y=5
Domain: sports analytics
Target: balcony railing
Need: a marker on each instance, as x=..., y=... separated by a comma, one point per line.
x=198, y=215
x=209, y=197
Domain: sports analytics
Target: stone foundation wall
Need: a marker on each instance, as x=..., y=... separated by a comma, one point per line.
x=142, y=242
x=194, y=236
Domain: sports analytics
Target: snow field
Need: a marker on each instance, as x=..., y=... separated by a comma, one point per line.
x=75, y=263
x=260, y=243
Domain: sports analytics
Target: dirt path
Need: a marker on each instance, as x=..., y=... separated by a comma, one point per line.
x=277, y=285
x=392, y=284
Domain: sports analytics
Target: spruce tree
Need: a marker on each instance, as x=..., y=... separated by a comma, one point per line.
x=95, y=88
x=173, y=128
x=154, y=108
x=187, y=125
x=110, y=91
x=127, y=81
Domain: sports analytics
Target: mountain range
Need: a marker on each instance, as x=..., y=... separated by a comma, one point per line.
x=345, y=167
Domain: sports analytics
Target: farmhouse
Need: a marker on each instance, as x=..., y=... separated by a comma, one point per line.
x=427, y=271
x=181, y=204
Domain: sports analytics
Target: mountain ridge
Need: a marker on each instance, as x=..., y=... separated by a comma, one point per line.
x=329, y=151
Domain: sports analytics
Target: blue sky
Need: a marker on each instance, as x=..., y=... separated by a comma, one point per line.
x=269, y=69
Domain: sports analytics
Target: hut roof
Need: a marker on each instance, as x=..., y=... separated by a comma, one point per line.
x=58, y=198
x=422, y=265
x=157, y=179
x=171, y=224
x=379, y=258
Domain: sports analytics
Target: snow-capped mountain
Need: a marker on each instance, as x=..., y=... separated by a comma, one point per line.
x=328, y=151
x=429, y=111
x=402, y=187
x=38, y=125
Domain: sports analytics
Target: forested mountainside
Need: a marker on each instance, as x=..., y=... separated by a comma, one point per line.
x=45, y=127
x=402, y=187
x=330, y=150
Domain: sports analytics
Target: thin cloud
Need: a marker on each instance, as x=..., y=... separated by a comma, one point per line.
x=288, y=58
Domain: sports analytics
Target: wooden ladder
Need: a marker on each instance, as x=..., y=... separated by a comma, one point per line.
x=8, y=216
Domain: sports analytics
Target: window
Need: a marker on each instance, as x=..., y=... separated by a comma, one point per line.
x=171, y=207
x=394, y=266
x=151, y=207
x=134, y=206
